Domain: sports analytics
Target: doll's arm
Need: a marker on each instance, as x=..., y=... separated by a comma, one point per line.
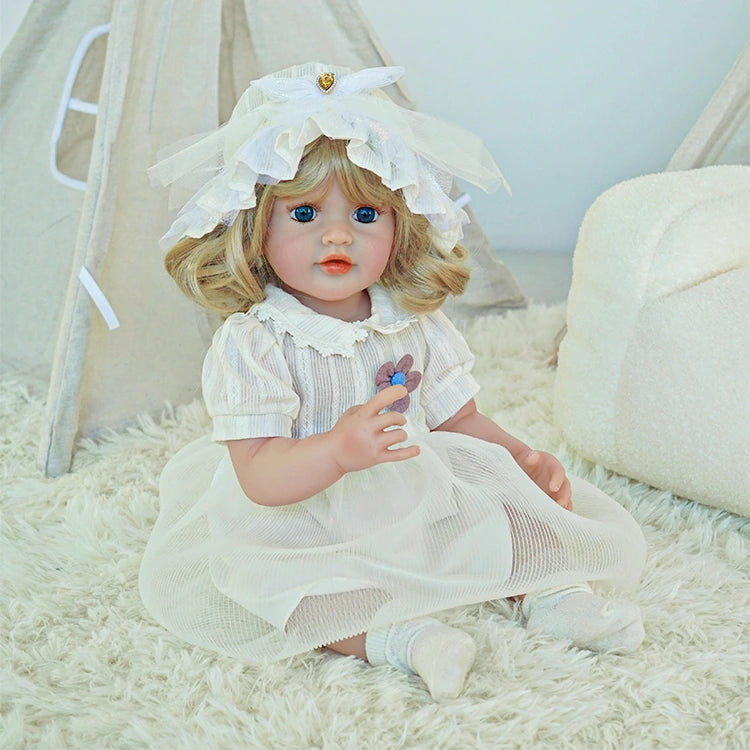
x=282, y=471
x=546, y=471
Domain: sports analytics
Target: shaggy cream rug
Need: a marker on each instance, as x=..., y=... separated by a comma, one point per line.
x=83, y=666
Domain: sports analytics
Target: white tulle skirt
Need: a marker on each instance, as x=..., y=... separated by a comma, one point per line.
x=458, y=524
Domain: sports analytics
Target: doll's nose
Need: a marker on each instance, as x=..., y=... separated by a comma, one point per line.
x=337, y=233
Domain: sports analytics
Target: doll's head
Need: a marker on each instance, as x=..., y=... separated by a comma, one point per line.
x=294, y=131
x=226, y=271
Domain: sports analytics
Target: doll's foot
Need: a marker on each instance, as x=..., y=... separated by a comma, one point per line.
x=587, y=620
x=440, y=655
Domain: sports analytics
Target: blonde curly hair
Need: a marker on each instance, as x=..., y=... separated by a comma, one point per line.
x=226, y=271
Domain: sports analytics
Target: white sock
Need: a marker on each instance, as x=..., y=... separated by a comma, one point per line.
x=440, y=655
x=576, y=614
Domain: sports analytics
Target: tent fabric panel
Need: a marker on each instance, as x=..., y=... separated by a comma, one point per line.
x=61, y=415
x=238, y=64
x=38, y=215
x=169, y=52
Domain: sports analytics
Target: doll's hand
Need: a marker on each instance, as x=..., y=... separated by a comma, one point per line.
x=361, y=436
x=548, y=473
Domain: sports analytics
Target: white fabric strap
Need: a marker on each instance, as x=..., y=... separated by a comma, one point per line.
x=98, y=298
x=68, y=101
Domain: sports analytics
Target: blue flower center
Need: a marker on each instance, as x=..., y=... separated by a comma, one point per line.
x=398, y=378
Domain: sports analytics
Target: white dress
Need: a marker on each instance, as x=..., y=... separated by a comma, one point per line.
x=460, y=523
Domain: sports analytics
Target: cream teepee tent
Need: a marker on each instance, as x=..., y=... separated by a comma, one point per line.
x=722, y=133
x=91, y=90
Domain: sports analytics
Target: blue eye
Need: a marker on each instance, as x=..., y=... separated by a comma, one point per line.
x=303, y=213
x=365, y=214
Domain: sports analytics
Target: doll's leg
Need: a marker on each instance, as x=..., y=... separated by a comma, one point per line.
x=576, y=614
x=354, y=646
x=442, y=656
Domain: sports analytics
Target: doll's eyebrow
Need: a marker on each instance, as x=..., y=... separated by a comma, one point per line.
x=314, y=197
x=298, y=204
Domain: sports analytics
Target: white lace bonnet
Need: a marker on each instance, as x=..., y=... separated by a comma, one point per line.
x=278, y=115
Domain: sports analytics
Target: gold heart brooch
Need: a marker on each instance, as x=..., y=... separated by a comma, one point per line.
x=326, y=82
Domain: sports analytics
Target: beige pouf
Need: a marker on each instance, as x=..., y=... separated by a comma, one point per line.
x=653, y=378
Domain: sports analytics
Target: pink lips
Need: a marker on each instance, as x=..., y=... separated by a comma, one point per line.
x=336, y=264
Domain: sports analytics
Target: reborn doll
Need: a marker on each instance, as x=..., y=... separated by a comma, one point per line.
x=350, y=488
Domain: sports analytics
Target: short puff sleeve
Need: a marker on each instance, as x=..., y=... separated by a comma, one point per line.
x=447, y=382
x=247, y=385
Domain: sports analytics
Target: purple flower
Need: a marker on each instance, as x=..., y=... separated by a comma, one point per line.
x=399, y=374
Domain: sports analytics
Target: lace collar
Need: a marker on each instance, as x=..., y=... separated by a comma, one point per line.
x=323, y=333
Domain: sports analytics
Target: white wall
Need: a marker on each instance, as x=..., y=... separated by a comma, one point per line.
x=570, y=96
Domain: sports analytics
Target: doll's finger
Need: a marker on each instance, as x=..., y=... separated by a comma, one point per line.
x=558, y=479
x=393, y=437
x=564, y=496
x=385, y=398
x=531, y=459
x=389, y=419
x=400, y=454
